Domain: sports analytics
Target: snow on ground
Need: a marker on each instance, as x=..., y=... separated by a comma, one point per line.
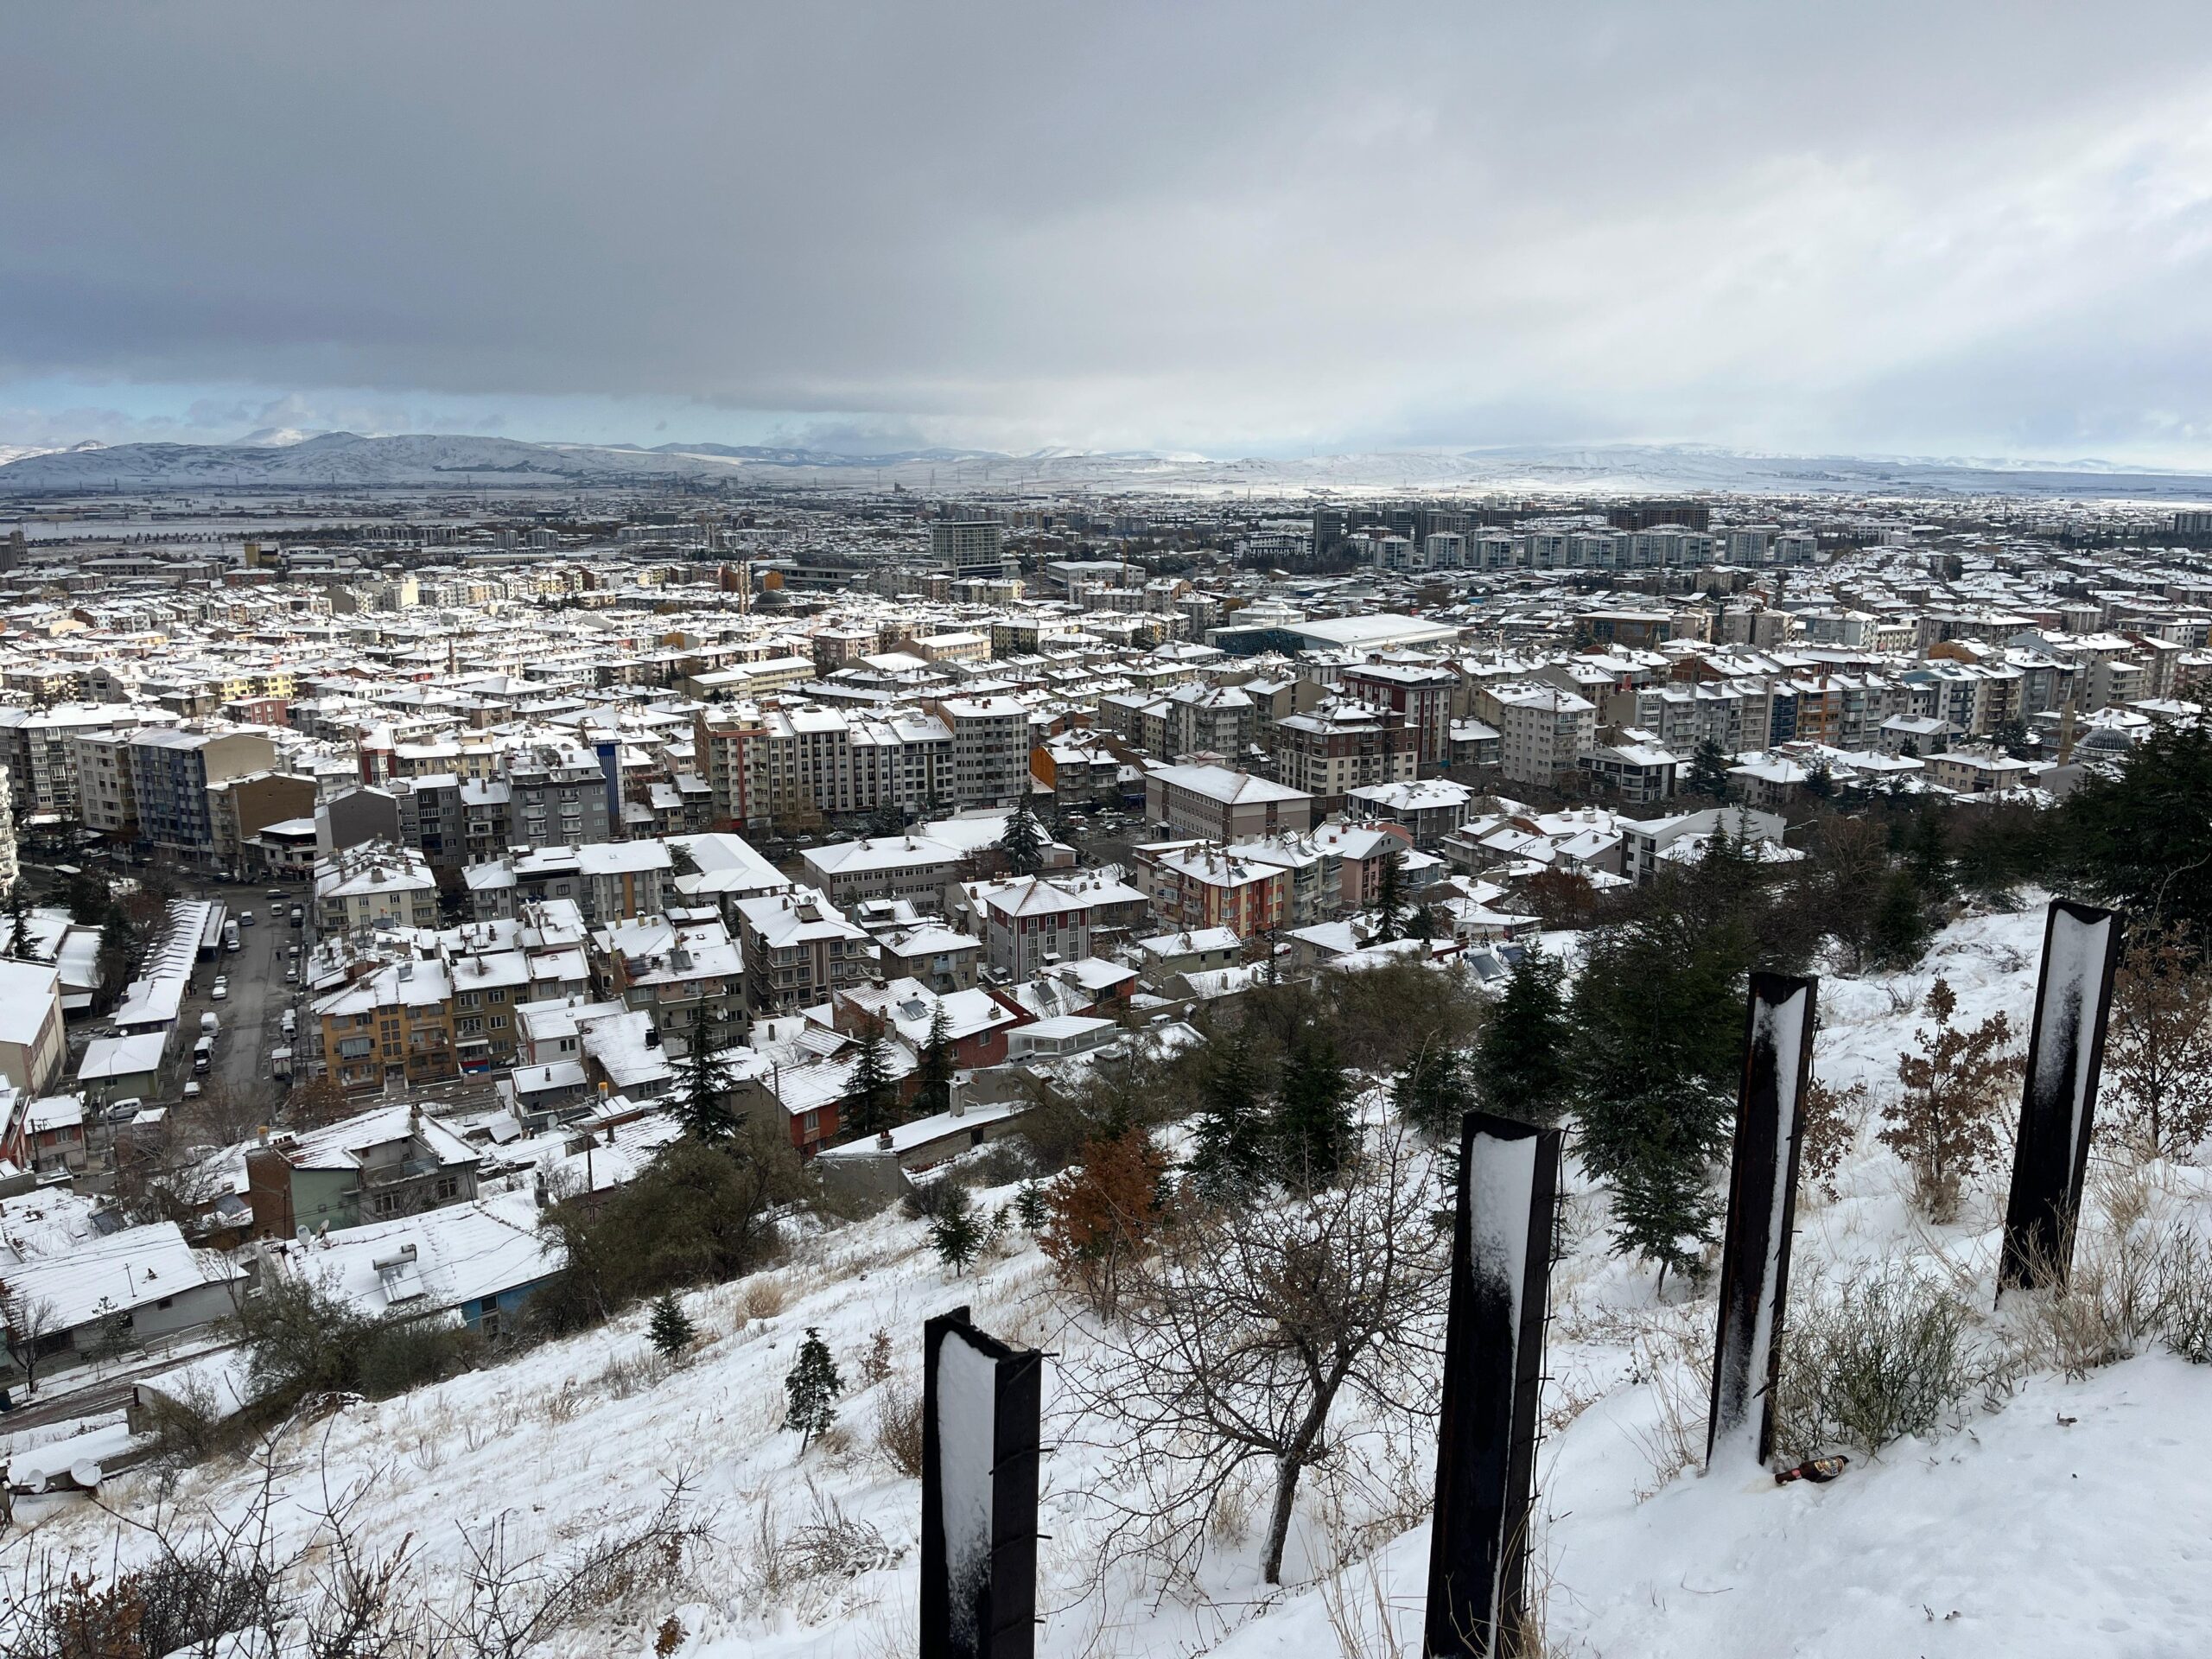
x=2022, y=1531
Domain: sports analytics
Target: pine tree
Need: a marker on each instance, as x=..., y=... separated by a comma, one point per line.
x=934, y=1073
x=1663, y=1203
x=1312, y=1130
x=1901, y=927
x=1022, y=842
x=19, y=918
x=886, y=821
x=672, y=1331
x=87, y=897
x=1230, y=1159
x=702, y=1106
x=1657, y=1023
x=1520, y=1067
x=812, y=1388
x=871, y=1095
x=1708, y=771
x=1029, y=1206
x=1390, y=898
x=956, y=1234
x=1432, y=1094
x=1928, y=852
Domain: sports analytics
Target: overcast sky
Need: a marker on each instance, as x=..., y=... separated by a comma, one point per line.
x=1235, y=229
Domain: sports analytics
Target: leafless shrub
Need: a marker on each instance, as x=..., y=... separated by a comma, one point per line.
x=898, y=1427
x=518, y=1597
x=188, y=1427
x=628, y=1375
x=204, y=1582
x=1885, y=1357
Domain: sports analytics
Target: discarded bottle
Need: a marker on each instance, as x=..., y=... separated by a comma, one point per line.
x=1819, y=1470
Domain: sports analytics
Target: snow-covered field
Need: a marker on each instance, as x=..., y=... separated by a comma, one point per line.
x=2074, y=1518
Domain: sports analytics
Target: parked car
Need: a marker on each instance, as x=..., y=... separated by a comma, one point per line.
x=124, y=1110
x=192, y=1089
x=221, y=990
x=246, y=918
x=209, y=1025
x=292, y=975
x=298, y=915
x=276, y=895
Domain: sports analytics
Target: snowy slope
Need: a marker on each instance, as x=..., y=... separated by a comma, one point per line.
x=2018, y=1532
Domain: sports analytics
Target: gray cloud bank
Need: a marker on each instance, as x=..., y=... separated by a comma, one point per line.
x=1938, y=228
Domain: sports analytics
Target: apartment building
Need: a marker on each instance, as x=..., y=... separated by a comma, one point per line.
x=1027, y=922
x=391, y=1027
x=798, y=949
x=1542, y=729
x=688, y=979
x=1219, y=804
x=990, y=749
x=1421, y=693
x=171, y=772
x=37, y=745
x=379, y=1165
x=1341, y=746
x=377, y=885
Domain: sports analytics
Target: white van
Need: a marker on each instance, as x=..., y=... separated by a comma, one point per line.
x=203, y=1056
x=209, y=1025
x=291, y=1022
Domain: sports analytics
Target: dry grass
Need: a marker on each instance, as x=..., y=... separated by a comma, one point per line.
x=1675, y=1356
x=763, y=1297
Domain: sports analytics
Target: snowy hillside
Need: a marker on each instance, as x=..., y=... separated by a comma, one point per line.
x=2057, y=1517
x=282, y=459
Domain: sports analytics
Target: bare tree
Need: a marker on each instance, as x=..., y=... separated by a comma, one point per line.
x=2158, y=1053
x=162, y=1173
x=30, y=1321
x=1238, y=1339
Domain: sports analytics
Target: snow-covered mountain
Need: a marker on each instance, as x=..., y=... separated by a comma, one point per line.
x=340, y=460
x=286, y=459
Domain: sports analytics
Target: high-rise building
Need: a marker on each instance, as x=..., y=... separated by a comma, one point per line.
x=972, y=547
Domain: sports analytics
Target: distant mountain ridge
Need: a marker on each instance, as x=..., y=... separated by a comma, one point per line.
x=284, y=459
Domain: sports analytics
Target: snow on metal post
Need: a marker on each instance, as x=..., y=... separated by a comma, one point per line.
x=1762, y=1209
x=2066, y=1051
x=980, y=1401
x=1493, y=1372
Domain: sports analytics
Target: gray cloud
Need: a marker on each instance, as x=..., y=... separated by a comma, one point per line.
x=1235, y=225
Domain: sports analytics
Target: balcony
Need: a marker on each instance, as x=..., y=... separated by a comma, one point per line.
x=407, y=1169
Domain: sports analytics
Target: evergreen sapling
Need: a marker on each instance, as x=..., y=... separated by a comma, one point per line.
x=955, y=1233
x=672, y=1331
x=812, y=1389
